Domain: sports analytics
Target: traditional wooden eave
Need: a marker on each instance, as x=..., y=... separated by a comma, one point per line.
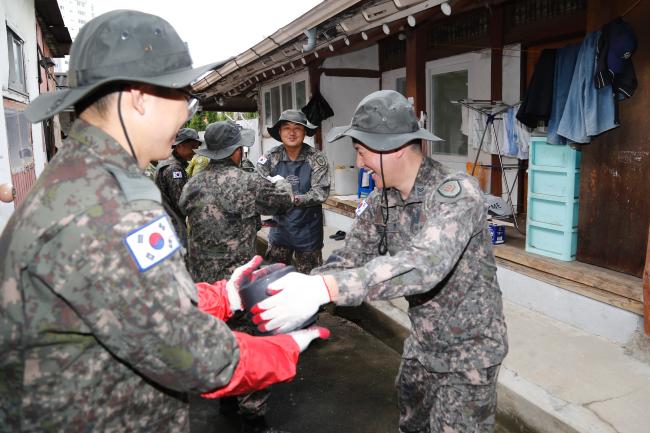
x=55, y=32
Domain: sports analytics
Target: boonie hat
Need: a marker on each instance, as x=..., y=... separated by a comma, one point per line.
x=383, y=120
x=121, y=46
x=223, y=138
x=294, y=116
x=185, y=134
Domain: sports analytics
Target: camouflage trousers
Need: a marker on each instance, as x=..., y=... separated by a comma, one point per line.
x=304, y=261
x=455, y=402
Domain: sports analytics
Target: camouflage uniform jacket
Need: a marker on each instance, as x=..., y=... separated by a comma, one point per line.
x=222, y=204
x=440, y=258
x=89, y=342
x=171, y=176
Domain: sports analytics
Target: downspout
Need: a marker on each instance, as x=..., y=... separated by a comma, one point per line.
x=311, y=40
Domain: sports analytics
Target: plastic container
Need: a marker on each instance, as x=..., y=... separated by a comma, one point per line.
x=365, y=183
x=553, y=204
x=345, y=180
x=497, y=233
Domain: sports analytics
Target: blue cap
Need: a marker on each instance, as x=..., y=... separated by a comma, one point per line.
x=622, y=43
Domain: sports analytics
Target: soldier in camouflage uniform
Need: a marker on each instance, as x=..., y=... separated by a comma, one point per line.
x=222, y=204
x=423, y=235
x=171, y=176
x=101, y=326
x=299, y=232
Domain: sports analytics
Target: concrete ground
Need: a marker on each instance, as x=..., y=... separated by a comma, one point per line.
x=344, y=384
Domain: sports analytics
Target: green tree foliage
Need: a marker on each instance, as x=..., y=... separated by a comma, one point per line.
x=202, y=119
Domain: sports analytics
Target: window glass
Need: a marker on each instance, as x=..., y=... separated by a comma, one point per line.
x=21, y=156
x=301, y=95
x=275, y=104
x=446, y=117
x=287, y=97
x=400, y=85
x=268, y=118
x=16, y=62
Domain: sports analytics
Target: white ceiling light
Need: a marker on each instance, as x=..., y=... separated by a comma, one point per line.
x=445, y=7
x=377, y=12
x=304, y=62
x=346, y=40
x=385, y=29
x=364, y=36
x=316, y=54
x=411, y=20
x=331, y=47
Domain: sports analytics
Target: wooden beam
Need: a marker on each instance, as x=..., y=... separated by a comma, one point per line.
x=496, y=85
x=415, y=68
x=350, y=72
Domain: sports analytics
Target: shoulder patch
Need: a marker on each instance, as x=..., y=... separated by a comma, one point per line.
x=450, y=189
x=261, y=160
x=152, y=243
x=361, y=208
x=177, y=174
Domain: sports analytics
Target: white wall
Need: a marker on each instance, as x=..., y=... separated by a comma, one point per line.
x=20, y=16
x=344, y=94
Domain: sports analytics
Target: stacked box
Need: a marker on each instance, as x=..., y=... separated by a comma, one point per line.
x=553, y=189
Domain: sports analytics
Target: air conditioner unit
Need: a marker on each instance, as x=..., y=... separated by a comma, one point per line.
x=403, y=4
x=353, y=24
x=380, y=11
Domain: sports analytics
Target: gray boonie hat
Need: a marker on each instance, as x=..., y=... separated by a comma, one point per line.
x=223, y=138
x=121, y=46
x=185, y=134
x=383, y=121
x=294, y=116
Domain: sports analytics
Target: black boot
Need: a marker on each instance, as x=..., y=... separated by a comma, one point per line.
x=257, y=424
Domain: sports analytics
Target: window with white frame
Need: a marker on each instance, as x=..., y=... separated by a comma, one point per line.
x=284, y=96
x=16, y=62
x=446, y=118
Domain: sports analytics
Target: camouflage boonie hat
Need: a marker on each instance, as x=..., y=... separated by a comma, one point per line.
x=186, y=134
x=383, y=121
x=294, y=116
x=223, y=138
x=121, y=46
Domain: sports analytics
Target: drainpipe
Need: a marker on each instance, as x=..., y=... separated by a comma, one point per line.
x=311, y=40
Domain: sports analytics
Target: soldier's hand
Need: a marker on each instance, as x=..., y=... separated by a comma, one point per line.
x=306, y=336
x=296, y=297
x=244, y=275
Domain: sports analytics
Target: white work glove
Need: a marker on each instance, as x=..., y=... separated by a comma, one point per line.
x=296, y=298
x=246, y=274
x=306, y=336
x=274, y=179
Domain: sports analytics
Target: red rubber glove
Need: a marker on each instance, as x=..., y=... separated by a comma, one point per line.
x=221, y=299
x=264, y=361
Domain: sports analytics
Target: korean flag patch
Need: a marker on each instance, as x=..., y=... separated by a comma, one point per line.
x=177, y=175
x=152, y=243
x=361, y=208
x=261, y=160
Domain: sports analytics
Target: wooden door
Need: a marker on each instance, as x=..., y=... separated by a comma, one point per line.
x=614, y=185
